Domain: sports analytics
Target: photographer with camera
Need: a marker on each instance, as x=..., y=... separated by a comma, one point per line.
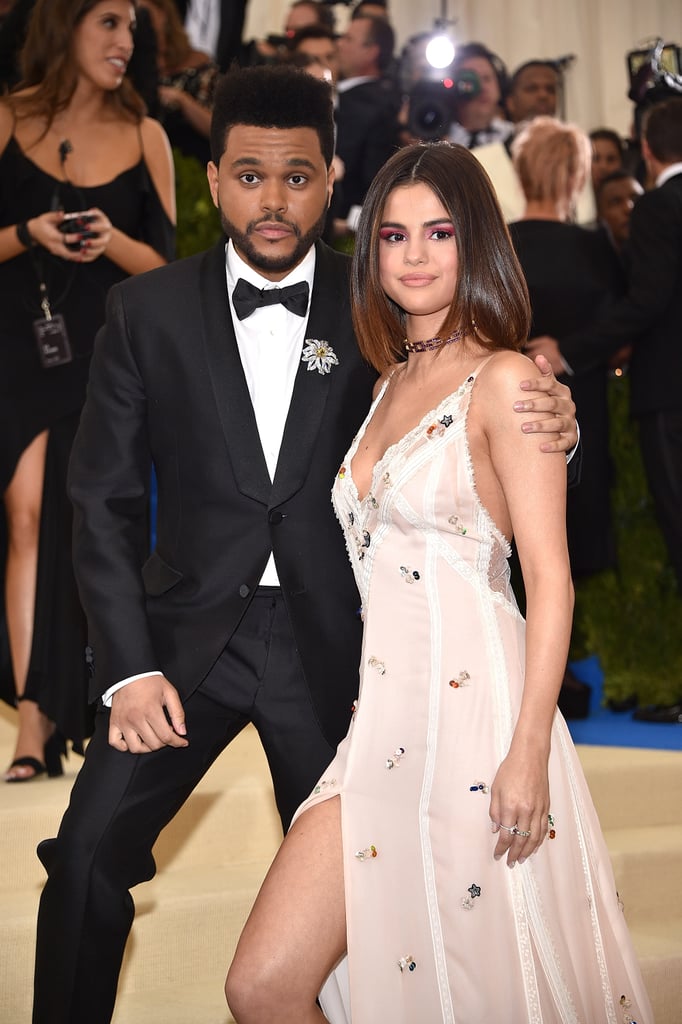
x=463, y=104
x=87, y=199
x=480, y=84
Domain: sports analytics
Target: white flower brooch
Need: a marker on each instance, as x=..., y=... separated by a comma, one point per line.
x=319, y=355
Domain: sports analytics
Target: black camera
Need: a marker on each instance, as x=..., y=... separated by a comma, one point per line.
x=78, y=224
x=431, y=103
x=430, y=110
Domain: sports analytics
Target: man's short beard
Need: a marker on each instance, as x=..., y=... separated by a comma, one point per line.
x=273, y=264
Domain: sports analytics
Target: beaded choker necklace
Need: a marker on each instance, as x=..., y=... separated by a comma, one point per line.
x=426, y=346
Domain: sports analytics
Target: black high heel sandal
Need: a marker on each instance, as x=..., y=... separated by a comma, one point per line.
x=53, y=751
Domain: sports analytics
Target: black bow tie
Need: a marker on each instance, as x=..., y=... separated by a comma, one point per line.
x=246, y=297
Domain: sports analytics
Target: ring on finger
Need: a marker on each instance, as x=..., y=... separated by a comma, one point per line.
x=514, y=830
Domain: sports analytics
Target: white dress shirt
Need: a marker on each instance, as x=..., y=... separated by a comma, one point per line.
x=670, y=171
x=202, y=24
x=270, y=344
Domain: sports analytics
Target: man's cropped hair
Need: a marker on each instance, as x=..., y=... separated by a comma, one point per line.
x=662, y=130
x=272, y=96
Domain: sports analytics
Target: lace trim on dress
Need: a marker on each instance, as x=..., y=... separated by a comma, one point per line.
x=560, y=730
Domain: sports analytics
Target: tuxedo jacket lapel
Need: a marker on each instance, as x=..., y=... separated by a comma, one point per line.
x=229, y=383
x=311, y=388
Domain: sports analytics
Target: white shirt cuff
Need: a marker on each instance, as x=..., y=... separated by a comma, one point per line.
x=574, y=449
x=108, y=694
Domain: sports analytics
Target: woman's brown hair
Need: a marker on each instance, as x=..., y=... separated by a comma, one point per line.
x=48, y=70
x=490, y=293
x=176, y=46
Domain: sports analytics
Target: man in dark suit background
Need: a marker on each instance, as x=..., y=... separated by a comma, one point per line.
x=234, y=372
x=366, y=112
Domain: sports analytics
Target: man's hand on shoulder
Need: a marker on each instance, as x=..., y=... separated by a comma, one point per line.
x=556, y=400
x=147, y=714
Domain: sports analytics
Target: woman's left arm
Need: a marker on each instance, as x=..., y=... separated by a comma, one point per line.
x=133, y=256
x=533, y=484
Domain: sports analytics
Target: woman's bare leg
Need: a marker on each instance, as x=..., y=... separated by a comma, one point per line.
x=23, y=499
x=296, y=932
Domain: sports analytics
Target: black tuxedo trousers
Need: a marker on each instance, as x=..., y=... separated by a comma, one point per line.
x=120, y=803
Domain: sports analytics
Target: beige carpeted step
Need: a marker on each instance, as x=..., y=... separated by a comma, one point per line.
x=659, y=949
x=213, y=855
x=647, y=864
x=634, y=787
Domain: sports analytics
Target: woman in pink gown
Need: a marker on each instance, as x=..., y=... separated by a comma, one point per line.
x=451, y=848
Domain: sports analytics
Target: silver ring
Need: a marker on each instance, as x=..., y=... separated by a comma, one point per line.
x=515, y=830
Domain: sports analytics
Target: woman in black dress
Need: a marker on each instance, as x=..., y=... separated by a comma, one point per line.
x=572, y=275
x=73, y=139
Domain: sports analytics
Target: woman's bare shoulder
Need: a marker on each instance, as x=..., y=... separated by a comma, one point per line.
x=505, y=369
x=153, y=135
x=386, y=375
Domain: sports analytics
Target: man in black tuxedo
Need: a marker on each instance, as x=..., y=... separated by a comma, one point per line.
x=235, y=372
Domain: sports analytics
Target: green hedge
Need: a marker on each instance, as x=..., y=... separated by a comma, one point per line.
x=198, y=225
x=632, y=617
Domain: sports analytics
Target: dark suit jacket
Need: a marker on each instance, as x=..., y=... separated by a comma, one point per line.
x=367, y=135
x=572, y=275
x=650, y=315
x=167, y=387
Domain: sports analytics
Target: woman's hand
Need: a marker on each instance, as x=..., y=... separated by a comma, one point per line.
x=170, y=97
x=44, y=230
x=520, y=800
x=93, y=240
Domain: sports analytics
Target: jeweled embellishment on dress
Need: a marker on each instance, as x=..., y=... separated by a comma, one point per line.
x=342, y=473
x=378, y=665
x=438, y=429
x=394, y=760
x=409, y=575
x=626, y=1004
x=479, y=787
x=458, y=525
x=552, y=831
x=319, y=355
x=461, y=680
x=362, y=542
x=406, y=963
x=474, y=892
x=324, y=784
x=367, y=854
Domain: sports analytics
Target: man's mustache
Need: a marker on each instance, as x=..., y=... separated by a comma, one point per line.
x=273, y=218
